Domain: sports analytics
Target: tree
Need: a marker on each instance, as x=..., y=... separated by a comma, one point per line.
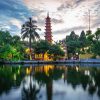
x=5, y=38
x=83, y=40
x=56, y=51
x=41, y=47
x=89, y=37
x=96, y=43
x=73, y=36
x=16, y=40
x=29, y=30
x=97, y=34
x=9, y=52
x=18, y=44
x=72, y=42
x=11, y=47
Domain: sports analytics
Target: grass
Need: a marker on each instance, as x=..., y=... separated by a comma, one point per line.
x=85, y=56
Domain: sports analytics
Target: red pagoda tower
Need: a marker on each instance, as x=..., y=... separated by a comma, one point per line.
x=48, y=32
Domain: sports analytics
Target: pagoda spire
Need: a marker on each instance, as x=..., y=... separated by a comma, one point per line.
x=48, y=33
x=48, y=14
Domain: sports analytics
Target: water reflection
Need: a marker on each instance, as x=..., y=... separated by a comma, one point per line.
x=30, y=88
x=50, y=82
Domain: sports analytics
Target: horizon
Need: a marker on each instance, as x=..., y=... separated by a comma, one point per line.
x=66, y=15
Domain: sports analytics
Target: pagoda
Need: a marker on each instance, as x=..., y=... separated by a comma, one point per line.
x=48, y=33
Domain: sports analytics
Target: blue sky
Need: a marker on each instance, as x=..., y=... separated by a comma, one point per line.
x=66, y=15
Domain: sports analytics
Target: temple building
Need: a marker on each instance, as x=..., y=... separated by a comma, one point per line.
x=48, y=37
x=48, y=33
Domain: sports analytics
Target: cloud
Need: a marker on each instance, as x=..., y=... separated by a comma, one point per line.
x=65, y=30
x=57, y=21
x=13, y=13
x=46, y=5
x=5, y=27
x=95, y=24
x=12, y=30
x=16, y=22
x=69, y=4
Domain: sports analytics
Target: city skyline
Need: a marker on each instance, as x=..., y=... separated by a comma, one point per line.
x=66, y=15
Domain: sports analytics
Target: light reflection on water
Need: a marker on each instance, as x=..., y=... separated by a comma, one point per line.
x=49, y=82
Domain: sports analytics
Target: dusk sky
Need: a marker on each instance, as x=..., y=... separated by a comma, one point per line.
x=66, y=15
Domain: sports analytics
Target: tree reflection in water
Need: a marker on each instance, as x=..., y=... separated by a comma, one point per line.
x=10, y=77
x=76, y=77
x=30, y=88
x=43, y=76
x=46, y=74
x=89, y=78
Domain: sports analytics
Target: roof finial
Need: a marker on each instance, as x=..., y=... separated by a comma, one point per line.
x=48, y=14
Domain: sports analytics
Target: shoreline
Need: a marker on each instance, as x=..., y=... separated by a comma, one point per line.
x=85, y=61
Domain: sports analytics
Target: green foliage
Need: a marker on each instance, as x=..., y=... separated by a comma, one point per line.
x=29, y=31
x=56, y=51
x=11, y=47
x=94, y=42
x=9, y=52
x=89, y=32
x=53, y=50
x=97, y=34
x=73, y=44
x=15, y=40
x=96, y=48
x=83, y=40
x=89, y=37
x=5, y=38
x=10, y=76
x=73, y=36
x=82, y=36
x=82, y=44
x=41, y=46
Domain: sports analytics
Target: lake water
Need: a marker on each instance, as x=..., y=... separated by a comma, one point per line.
x=49, y=82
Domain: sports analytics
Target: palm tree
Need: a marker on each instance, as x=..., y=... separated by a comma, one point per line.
x=29, y=31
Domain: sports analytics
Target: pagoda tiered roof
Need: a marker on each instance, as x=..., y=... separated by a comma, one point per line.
x=48, y=33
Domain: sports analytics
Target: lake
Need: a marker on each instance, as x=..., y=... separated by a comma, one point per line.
x=49, y=82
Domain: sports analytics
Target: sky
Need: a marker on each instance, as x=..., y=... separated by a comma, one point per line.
x=66, y=15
